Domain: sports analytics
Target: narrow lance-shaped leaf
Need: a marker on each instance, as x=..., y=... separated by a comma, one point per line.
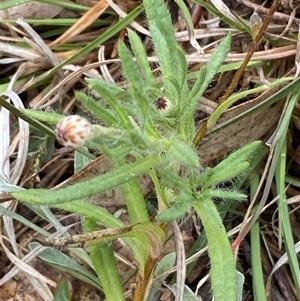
x=212, y=68
x=135, y=202
x=141, y=57
x=136, y=84
x=91, y=187
x=217, y=59
x=223, y=194
x=48, y=117
x=188, y=108
x=172, y=89
x=223, y=270
x=230, y=167
x=182, y=66
x=211, y=177
x=96, y=109
x=63, y=291
x=183, y=152
x=163, y=266
x=176, y=211
x=86, y=208
x=111, y=99
x=64, y=263
x=162, y=33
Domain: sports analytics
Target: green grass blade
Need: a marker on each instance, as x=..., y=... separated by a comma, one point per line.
x=234, y=98
x=292, y=86
x=257, y=273
x=94, y=44
x=284, y=217
x=38, y=125
x=189, y=24
x=66, y=4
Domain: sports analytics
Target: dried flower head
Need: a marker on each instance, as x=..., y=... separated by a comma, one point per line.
x=163, y=105
x=74, y=131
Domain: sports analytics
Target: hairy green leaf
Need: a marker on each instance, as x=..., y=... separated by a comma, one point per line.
x=91, y=187
x=223, y=270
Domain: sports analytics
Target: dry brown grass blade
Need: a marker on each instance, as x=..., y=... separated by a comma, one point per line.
x=260, y=9
x=270, y=54
x=85, y=21
x=181, y=266
x=18, y=52
x=22, y=265
x=203, y=128
x=32, y=9
x=297, y=57
x=221, y=7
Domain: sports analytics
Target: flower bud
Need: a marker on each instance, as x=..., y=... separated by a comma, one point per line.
x=74, y=131
x=163, y=105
